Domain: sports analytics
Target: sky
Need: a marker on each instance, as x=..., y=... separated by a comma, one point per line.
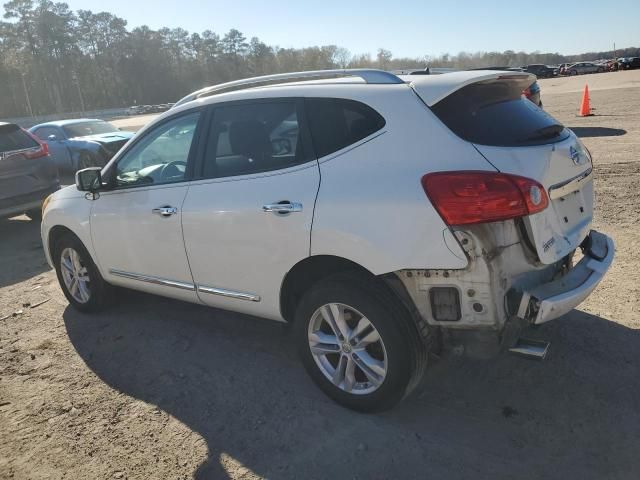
x=411, y=28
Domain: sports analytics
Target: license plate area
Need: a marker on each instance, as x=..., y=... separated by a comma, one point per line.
x=571, y=210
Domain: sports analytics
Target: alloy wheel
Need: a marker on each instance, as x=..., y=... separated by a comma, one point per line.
x=75, y=275
x=347, y=348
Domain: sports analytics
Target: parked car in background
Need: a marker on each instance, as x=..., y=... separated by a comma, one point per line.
x=583, y=67
x=27, y=173
x=631, y=63
x=135, y=110
x=539, y=70
x=81, y=143
x=449, y=208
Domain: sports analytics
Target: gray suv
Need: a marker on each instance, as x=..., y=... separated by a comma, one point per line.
x=27, y=174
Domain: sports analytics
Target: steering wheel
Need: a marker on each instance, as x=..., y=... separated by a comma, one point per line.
x=171, y=169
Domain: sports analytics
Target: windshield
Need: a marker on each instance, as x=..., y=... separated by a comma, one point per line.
x=84, y=129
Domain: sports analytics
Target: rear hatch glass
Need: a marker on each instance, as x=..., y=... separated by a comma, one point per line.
x=519, y=138
x=494, y=112
x=12, y=138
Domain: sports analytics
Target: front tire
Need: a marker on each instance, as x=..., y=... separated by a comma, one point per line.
x=358, y=344
x=78, y=276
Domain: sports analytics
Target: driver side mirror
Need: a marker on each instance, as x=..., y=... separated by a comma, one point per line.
x=89, y=179
x=52, y=138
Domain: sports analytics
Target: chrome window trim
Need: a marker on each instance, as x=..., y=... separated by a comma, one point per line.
x=570, y=186
x=229, y=293
x=151, y=279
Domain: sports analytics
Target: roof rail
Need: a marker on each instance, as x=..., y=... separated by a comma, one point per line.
x=372, y=76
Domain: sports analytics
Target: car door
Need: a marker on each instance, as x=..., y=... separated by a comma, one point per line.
x=247, y=219
x=57, y=146
x=136, y=224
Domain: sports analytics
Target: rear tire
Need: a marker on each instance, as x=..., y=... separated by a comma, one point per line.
x=78, y=275
x=340, y=364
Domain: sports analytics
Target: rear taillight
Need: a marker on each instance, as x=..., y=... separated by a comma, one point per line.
x=41, y=151
x=527, y=92
x=463, y=198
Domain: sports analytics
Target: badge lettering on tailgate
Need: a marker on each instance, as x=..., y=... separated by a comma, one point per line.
x=548, y=244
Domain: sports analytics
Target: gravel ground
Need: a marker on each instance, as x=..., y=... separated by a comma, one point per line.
x=158, y=389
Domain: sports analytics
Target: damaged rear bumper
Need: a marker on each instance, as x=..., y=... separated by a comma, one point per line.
x=552, y=300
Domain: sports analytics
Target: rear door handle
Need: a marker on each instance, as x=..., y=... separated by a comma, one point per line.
x=165, y=211
x=284, y=207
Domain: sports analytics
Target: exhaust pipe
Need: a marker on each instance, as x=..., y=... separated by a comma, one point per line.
x=530, y=348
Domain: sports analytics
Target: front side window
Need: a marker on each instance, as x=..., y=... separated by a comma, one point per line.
x=337, y=123
x=253, y=138
x=160, y=156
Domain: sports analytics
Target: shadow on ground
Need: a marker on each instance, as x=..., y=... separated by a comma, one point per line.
x=236, y=381
x=586, y=132
x=21, y=253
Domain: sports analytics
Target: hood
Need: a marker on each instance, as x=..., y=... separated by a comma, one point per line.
x=70, y=191
x=110, y=137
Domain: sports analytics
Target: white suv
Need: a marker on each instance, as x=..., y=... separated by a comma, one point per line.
x=380, y=215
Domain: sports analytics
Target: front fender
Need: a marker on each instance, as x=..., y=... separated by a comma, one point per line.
x=77, y=147
x=69, y=209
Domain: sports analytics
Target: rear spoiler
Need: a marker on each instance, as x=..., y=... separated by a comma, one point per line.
x=433, y=88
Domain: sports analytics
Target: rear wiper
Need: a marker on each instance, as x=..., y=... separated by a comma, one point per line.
x=545, y=133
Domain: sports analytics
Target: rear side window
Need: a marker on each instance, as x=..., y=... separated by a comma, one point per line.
x=13, y=138
x=251, y=138
x=495, y=113
x=337, y=123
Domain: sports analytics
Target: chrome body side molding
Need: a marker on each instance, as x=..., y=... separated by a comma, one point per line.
x=229, y=293
x=151, y=279
x=186, y=286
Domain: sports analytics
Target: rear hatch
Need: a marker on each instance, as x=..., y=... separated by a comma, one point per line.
x=519, y=138
x=24, y=166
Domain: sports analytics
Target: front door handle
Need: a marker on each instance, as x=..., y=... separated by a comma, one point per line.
x=165, y=211
x=283, y=207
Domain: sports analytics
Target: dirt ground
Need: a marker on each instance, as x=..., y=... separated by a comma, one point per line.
x=158, y=389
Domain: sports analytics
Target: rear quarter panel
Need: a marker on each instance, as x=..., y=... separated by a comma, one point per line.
x=371, y=207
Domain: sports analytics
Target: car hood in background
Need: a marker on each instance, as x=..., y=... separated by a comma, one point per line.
x=106, y=137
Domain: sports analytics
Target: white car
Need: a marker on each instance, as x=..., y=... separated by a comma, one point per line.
x=380, y=215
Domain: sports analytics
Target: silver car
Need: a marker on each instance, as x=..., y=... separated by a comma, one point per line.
x=583, y=67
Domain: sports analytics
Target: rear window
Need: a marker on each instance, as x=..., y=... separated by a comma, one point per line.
x=337, y=123
x=13, y=138
x=495, y=113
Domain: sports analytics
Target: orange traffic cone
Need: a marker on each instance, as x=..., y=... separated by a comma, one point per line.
x=585, y=107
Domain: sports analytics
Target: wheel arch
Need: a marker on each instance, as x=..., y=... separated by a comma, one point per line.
x=311, y=270
x=55, y=233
